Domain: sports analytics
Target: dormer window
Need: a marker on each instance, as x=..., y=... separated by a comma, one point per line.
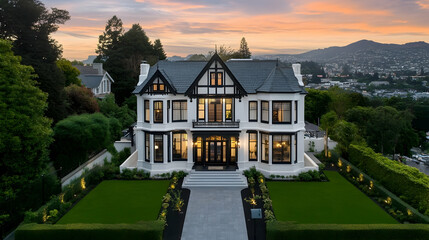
x=158, y=85
x=216, y=79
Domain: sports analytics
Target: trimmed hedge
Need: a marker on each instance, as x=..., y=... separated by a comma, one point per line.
x=407, y=182
x=285, y=230
x=143, y=230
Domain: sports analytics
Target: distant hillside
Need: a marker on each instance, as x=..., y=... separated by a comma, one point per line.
x=365, y=54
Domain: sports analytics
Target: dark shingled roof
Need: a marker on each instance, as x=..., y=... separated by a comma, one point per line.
x=254, y=75
x=86, y=69
x=91, y=81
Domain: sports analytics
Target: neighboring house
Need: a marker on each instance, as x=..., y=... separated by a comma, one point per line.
x=234, y=114
x=96, y=79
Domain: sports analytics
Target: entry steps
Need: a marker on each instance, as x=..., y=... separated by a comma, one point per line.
x=215, y=179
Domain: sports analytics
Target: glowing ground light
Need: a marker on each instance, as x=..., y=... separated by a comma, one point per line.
x=409, y=212
x=340, y=163
x=348, y=168
x=371, y=184
x=83, y=183
x=360, y=177
x=172, y=186
x=388, y=201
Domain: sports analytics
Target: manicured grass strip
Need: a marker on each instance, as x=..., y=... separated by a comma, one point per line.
x=118, y=201
x=143, y=230
x=283, y=230
x=336, y=201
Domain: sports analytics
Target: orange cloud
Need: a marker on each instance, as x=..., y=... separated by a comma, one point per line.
x=424, y=4
x=326, y=7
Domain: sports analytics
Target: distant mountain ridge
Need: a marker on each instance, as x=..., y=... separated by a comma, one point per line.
x=365, y=54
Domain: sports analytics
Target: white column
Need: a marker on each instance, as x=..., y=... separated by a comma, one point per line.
x=165, y=148
x=140, y=143
x=190, y=147
x=270, y=150
x=140, y=110
x=152, y=149
x=258, y=147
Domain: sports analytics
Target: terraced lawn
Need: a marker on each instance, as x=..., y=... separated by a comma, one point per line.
x=118, y=201
x=336, y=201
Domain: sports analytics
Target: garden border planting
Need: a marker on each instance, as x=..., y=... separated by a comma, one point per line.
x=142, y=230
x=284, y=230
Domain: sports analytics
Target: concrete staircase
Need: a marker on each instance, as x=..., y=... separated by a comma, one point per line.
x=215, y=179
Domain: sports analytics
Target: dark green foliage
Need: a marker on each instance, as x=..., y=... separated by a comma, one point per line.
x=305, y=176
x=77, y=137
x=124, y=114
x=70, y=73
x=135, y=174
x=122, y=53
x=316, y=104
x=400, y=179
x=142, y=230
x=80, y=100
x=25, y=135
x=29, y=24
x=285, y=230
x=252, y=173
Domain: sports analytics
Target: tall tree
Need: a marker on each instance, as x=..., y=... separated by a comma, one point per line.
x=25, y=133
x=70, y=73
x=110, y=38
x=244, y=51
x=159, y=50
x=29, y=25
x=327, y=123
x=124, y=53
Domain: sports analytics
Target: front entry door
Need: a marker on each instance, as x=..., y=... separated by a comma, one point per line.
x=216, y=151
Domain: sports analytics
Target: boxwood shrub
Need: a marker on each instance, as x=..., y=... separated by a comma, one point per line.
x=407, y=182
x=284, y=230
x=143, y=230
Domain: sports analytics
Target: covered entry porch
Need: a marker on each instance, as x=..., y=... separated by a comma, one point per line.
x=215, y=149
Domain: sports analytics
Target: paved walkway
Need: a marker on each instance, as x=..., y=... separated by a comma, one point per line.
x=215, y=213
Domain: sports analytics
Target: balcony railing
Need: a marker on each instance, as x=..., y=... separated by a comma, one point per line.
x=235, y=124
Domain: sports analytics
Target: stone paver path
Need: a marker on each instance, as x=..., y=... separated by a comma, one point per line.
x=215, y=213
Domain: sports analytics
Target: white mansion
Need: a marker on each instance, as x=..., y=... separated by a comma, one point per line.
x=234, y=114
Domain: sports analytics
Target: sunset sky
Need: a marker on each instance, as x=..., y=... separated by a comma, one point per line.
x=269, y=26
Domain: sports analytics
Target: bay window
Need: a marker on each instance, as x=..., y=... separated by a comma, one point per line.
x=180, y=110
x=159, y=147
x=146, y=111
x=281, y=148
x=264, y=111
x=180, y=149
x=253, y=111
x=253, y=146
x=265, y=147
x=282, y=112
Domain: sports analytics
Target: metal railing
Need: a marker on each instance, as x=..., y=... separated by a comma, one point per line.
x=235, y=124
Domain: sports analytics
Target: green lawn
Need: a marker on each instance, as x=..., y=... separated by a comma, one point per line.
x=119, y=202
x=336, y=201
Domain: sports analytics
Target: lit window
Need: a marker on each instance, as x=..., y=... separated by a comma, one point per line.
x=265, y=145
x=281, y=149
x=201, y=109
x=216, y=79
x=180, y=149
x=159, y=147
x=228, y=109
x=157, y=112
x=253, y=147
x=146, y=111
x=281, y=112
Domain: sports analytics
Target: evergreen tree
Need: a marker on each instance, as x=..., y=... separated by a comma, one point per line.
x=244, y=51
x=110, y=38
x=159, y=50
x=29, y=25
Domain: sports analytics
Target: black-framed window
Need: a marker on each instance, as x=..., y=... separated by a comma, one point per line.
x=158, y=85
x=265, y=147
x=201, y=109
x=158, y=147
x=234, y=144
x=253, y=111
x=157, y=112
x=282, y=112
x=180, y=149
x=296, y=111
x=216, y=79
x=215, y=110
x=281, y=149
x=180, y=110
x=228, y=109
x=147, y=147
x=265, y=110
x=146, y=111
x=253, y=146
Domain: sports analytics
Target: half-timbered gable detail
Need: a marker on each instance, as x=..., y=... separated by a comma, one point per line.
x=217, y=81
x=158, y=84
